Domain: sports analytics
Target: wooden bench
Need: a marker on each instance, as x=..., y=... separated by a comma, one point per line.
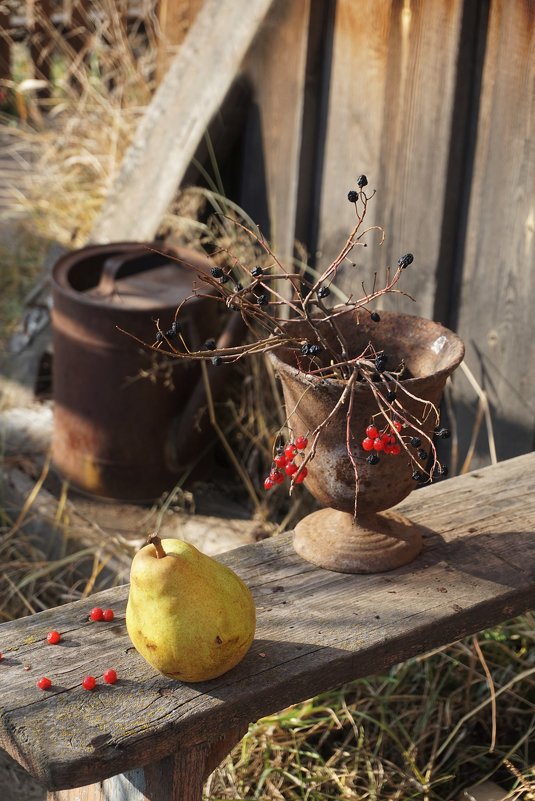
x=158, y=739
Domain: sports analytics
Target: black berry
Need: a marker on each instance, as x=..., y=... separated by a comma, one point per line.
x=217, y=272
x=405, y=260
x=314, y=349
x=416, y=442
x=422, y=454
x=362, y=181
x=417, y=476
x=372, y=458
x=375, y=317
x=174, y=330
x=261, y=300
x=224, y=278
x=391, y=396
x=257, y=272
x=159, y=336
x=323, y=291
x=352, y=196
x=380, y=363
x=443, y=470
x=216, y=361
x=209, y=344
x=444, y=433
x=238, y=287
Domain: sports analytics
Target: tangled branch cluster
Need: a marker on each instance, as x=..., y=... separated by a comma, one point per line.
x=268, y=295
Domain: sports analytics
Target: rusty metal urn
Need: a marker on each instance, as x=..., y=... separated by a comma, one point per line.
x=377, y=538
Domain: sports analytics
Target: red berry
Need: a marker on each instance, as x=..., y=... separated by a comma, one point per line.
x=291, y=468
x=276, y=476
x=387, y=448
x=395, y=450
x=108, y=615
x=397, y=425
x=268, y=483
x=110, y=676
x=1, y=656
x=280, y=460
x=378, y=444
x=44, y=683
x=53, y=637
x=372, y=432
x=301, y=475
x=367, y=444
x=290, y=451
x=96, y=613
x=301, y=443
x=89, y=683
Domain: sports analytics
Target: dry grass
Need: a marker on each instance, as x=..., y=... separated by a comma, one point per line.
x=423, y=731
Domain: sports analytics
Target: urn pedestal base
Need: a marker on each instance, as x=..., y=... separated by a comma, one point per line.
x=372, y=543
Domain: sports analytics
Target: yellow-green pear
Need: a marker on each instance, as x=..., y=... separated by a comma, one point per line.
x=189, y=616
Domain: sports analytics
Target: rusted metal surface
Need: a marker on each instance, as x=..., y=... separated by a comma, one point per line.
x=113, y=427
x=430, y=352
x=354, y=534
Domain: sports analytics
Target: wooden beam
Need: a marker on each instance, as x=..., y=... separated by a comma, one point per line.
x=185, y=102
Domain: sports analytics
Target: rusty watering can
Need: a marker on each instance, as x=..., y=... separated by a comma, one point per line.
x=117, y=405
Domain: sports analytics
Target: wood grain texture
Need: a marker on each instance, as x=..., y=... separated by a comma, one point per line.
x=5, y=46
x=174, y=19
x=495, y=316
x=316, y=630
x=276, y=69
x=185, y=102
x=391, y=116
x=178, y=777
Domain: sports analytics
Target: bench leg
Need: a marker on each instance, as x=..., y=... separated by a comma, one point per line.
x=178, y=777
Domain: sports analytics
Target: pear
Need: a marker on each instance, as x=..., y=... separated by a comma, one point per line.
x=189, y=616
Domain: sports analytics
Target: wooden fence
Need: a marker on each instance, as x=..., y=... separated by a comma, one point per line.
x=434, y=100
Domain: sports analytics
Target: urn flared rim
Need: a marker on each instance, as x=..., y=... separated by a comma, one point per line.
x=435, y=335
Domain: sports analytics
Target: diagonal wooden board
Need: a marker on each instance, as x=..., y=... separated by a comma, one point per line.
x=192, y=91
x=316, y=630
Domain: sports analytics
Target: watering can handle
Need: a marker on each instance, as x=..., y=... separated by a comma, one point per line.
x=131, y=263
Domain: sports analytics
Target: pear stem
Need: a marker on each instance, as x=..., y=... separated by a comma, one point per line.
x=154, y=539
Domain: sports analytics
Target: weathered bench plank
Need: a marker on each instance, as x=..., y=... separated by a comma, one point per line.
x=316, y=630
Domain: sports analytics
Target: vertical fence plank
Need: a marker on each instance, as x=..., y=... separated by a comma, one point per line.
x=5, y=46
x=39, y=13
x=276, y=68
x=391, y=115
x=497, y=294
x=175, y=18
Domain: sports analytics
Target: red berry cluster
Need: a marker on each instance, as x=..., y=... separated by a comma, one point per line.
x=89, y=682
x=382, y=441
x=97, y=614
x=284, y=464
